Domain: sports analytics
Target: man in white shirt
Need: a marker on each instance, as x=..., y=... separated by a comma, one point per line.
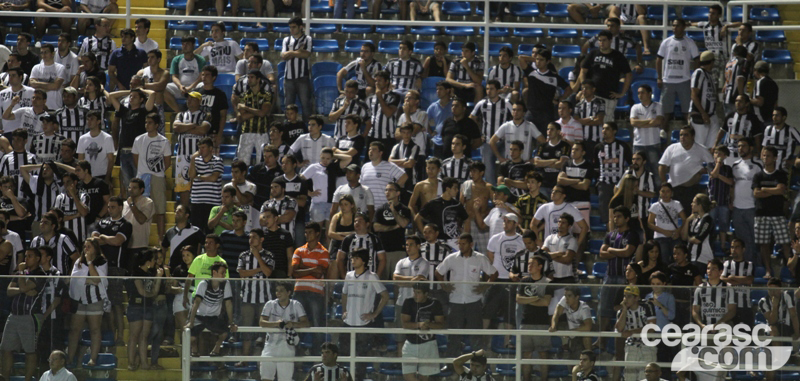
x=66, y=57
x=675, y=55
x=502, y=253
x=152, y=155
x=220, y=52
x=551, y=212
x=307, y=146
x=143, y=42
x=26, y=118
x=377, y=173
x=15, y=89
x=516, y=129
x=571, y=129
x=286, y=313
x=58, y=370
x=647, y=118
x=562, y=247
x=49, y=76
x=685, y=162
x=138, y=210
x=418, y=118
x=743, y=214
x=322, y=193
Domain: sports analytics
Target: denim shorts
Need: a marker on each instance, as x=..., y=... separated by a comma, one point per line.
x=136, y=313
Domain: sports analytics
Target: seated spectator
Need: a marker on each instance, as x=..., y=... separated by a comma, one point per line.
x=64, y=6
x=144, y=42
x=466, y=75
x=212, y=295
x=579, y=318
x=460, y=124
x=363, y=68
x=285, y=313
x=508, y=74
x=438, y=64
x=243, y=66
x=412, y=113
x=308, y=146
x=100, y=43
x=58, y=361
x=405, y=71
x=390, y=4
x=430, y=7
x=185, y=68
x=352, y=142
x=89, y=295
x=585, y=371
x=219, y=52
x=284, y=6
x=330, y=352
x=477, y=366
x=579, y=12
x=125, y=61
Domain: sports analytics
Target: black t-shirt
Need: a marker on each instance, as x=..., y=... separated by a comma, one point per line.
x=213, y=102
x=115, y=254
x=292, y=131
x=27, y=62
x=449, y=215
x=605, y=70
x=683, y=276
x=466, y=127
x=528, y=287
x=768, y=89
x=358, y=142
x=276, y=242
x=542, y=88
x=393, y=240
x=134, y=297
x=583, y=170
x=262, y=177
x=422, y=312
x=296, y=187
x=131, y=124
x=771, y=206
x=548, y=152
x=19, y=226
x=96, y=189
x=516, y=171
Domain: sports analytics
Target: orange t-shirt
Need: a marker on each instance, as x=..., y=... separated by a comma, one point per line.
x=317, y=256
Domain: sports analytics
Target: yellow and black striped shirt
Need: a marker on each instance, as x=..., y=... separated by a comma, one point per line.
x=256, y=125
x=527, y=205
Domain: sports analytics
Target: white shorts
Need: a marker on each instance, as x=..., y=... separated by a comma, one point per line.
x=285, y=370
x=177, y=304
x=428, y=350
x=182, y=183
x=320, y=211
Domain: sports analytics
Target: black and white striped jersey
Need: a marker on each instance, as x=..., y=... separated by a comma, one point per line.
x=456, y=168
x=612, y=159
x=506, y=76
x=47, y=148
x=62, y=245
x=787, y=304
x=99, y=103
x=9, y=166
x=460, y=73
x=493, y=115
x=52, y=290
x=282, y=205
x=207, y=192
x=44, y=196
x=746, y=125
x=785, y=140
x=369, y=241
x=735, y=68
x=101, y=47
x=354, y=68
x=704, y=80
x=187, y=143
x=637, y=317
x=741, y=292
x=714, y=40
x=619, y=42
x=71, y=121
x=297, y=67
x=434, y=253
x=753, y=48
x=647, y=183
x=404, y=73
x=70, y=209
x=211, y=299
x=383, y=126
x=403, y=151
x=587, y=110
x=329, y=373
x=356, y=106
x=713, y=301
x=257, y=290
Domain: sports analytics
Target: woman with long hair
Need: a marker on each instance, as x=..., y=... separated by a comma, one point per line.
x=142, y=290
x=698, y=230
x=89, y=294
x=160, y=310
x=651, y=262
x=180, y=273
x=342, y=223
x=625, y=195
x=95, y=97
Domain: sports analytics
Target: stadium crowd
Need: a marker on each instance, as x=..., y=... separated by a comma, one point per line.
x=493, y=183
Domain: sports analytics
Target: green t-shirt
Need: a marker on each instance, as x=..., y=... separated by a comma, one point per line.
x=201, y=267
x=226, y=218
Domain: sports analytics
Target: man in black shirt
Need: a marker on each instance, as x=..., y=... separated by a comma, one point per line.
x=67, y=153
x=445, y=211
x=292, y=126
x=460, y=123
x=769, y=189
x=605, y=66
x=261, y=175
x=576, y=178
x=390, y=224
x=511, y=173
x=534, y=295
x=421, y=313
x=26, y=57
x=214, y=103
x=181, y=235
x=551, y=157
x=277, y=241
x=97, y=189
x=297, y=188
x=765, y=92
x=543, y=89
x=683, y=273
x=131, y=124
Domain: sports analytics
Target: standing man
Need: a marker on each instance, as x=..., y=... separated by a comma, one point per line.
x=783, y=137
x=438, y=112
x=466, y=74
x=66, y=57
x=191, y=126
x=281, y=312
x=740, y=123
x=534, y=296
x=185, y=70
x=769, y=189
x=647, y=119
x=507, y=74
x=633, y=315
x=576, y=177
x=245, y=192
x=744, y=209
x=253, y=110
x=421, y=312
x=611, y=158
x=181, y=235
x=501, y=252
x=295, y=51
x=49, y=76
x=348, y=104
x=477, y=370
x=278, y=241
x=673, y=64
x=605, y=66
x=383, y=109
x=139, y=210
x=457, y=165
x=132, y=121
x=101, y=43
x=494, y=111
x=703, y=108
x=515, y=129
x=362, y=239
x=307, y=147
x=152, y=153
x=377, y=173
x=71, y=116
x=513, y=171
x=221, y=216
x=363, y=69
x=214, y=104
x=220, y=52
x=362, y=195
x=445, y=211
x=684, y=163
x=205, y=174
x=142, y=40
x=256, y=265
x=765, y=92
x=460, y=124
x=390, y=224
x=75, y=205
x=15, y=88
x=545, y=88
x=125, y=61
x=551, y=156
x=310, y=262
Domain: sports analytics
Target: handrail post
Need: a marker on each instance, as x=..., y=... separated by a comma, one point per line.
x=353, y=354
x=186, y=348
x=307, y=10
x=128, y=13
x=487, y=16
x=518, y=356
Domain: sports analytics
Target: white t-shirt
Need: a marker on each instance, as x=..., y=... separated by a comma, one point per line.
x=213, y=299
x=25, y=100
x=153, y=152
x=421, y=117
x=273, y=311
x=50, y=74
x=684, y=164
x=247, y=187
x=147, y=46
x=660, y=209
x=572, y=130
x=70, y=62
x=241, y=68
x=316, y=173
x=4, y=53
x=677, y=57
x=525, y=132
x=29, y=120
x=505, y=249
x=407, y=267
x=743, y=173
x=360, y=296
x=647, y=136
x=96, y=150
x=361, y=194
x=577, y=316
x=495, y=219
x=222, y=54
x=465, y=269
x=557, y=243
x=550, y=213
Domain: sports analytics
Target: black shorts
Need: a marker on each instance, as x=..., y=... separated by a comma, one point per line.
x=281, y=7
x=216, y=324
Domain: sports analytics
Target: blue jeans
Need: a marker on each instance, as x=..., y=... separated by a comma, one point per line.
x=127, y=168
x=722, y=217
x=339, y=4
x=652, y=153
x=299, y=87
x=491, y=163
x=160, y=317
x=743, y=225
x=665, y=245
x=608, y=294
x=314, y=304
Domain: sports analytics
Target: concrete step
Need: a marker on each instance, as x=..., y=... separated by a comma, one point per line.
x=142, y=8
x=150, y=375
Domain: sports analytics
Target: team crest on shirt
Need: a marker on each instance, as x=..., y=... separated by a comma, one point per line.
x=378, y=175
x=416, y=268
x=282, y=236
x=624, y=242
x=364, y=286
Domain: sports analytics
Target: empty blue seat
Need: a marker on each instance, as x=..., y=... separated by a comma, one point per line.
x=494, y=48
x=594, y=201
x=566, y=51
x=564, y=72
x=556, y=10
x=736, y=14
x=631, y=55
x=777, y=56
x=623, y=106
x=528, y=32
x=656, y=34
x=324, y=98
x=525, y=49
x=425, y=30
x=263, y=43
x=648, y=73
x=325, y=68
x=390, y=29
x=390, y=369
x=388, y=46
x=499, y=347
x=525, y=9
x=320, y=6
x=456, y=8
x=175, y=25
x=770, y=36
x=599, y=270
x=595, y=245
x=758, y=279
x=696, y=35
x=176, y=5
x=228, y=26
x=106, y=338
x=225, y=79
x=105, y=361
x=424, y=47
x=388, y=313
x=495, y=32
x=656, y=12
x=227, y=151
x=454, y=48
x=563, y=33
x=280, y=28
x=230, y=129
x=11, y=39
x=624, y=134
x=589, y=33
x=596, y=224
x=50, y=39
x=786, y=276
x=248, y=27
x=357, y=29
x=695, y=13
x=227, y=175
x=764, y=14
x=506, y=370
x=174, y=43
x=459, y=30
x=324, y=46
x=279, y=46
x=325, y=81
x=354, y=46
x=322, y=28
x=428, y=91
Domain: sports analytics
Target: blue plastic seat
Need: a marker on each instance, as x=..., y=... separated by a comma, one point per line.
x=106, y=338
x=638, y=83
x=388, y=313
x=656, y=12
x=325, y=68
x=454, y=48
x=495, y=32
x=594, y=202
x=696, y=35
x=525, y=49
x=230, y=129
x=599, y=269
x=596, y=224
x=11, y=39
x=324, y=46
x=676, y=135
x=786, y=276
x=647, y=73
x=248, y=27
x=105, y=361
x=459, y=30
x=227, y=151
x=390, y=29
x=354, y=46
x=325, y=81
x=494, y=48
x=174, y=43
x=279, y=47
x=227, y=175
x=761, y=14
x=777, y=56
x=324, y=97
x=357, y=29
x=428, y=91
x=556, y=10
x=525, y=9
x=425, y=31
x=176, y=5
x=263, y=43
x=281, y=28
x=456, y=8
x=563, y=33
x=589, y=33
x=770, y=36
x=498, y=345
x=424, y=47
x=564, y=72
x=175, y=25
x=758, y=279
x=528, y=32
x=225, y=79
x=736, y=14
x=388, y=46
x=624, y=134
x=320, y=6
x=228, y=26
x=656, y=34
x=51, y=39
x=695, y=13
x=506, y=370
x=322, y=28
x=390, y=369
x=566, y=51
x=595, y=245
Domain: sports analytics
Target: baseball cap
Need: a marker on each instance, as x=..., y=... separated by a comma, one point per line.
x=502, y=189
x=195, y=94
x=512, y=217
x=353, y=167
x=632, y=290
x=707, y=56
x=71, y=90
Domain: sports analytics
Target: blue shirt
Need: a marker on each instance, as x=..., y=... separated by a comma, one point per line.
x=128, y=63
x=668, y=300
x=437, y=114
